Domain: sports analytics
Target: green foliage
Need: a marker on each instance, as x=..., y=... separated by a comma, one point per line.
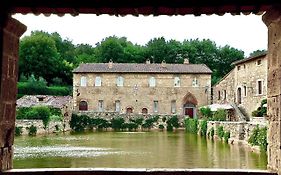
x=149, y=122
x=79, y=123
x=211, y=133
x=255, y=113
x=191, y=125
x=226, y=136
x=18, y=131
x=259, y=137
x=138, y=121
x=206, y=112
x=220, y=132
x=161, y=127
x=172, y=122
x=257, y=53
x=117, y=123
x=203, y=128
x=32, y=130
x=261, y=110
x=220, y=115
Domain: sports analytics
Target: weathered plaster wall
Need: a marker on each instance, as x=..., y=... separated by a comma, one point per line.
x=137, y=93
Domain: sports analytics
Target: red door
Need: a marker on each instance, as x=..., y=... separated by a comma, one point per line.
x=189, y=112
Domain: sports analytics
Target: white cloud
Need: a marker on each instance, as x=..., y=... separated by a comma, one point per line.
x=247, y=33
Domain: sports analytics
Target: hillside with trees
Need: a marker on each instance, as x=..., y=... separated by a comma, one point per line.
x=47, y=56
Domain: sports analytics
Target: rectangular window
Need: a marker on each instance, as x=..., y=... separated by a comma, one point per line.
x=152, y=82
x=173, y=106
x=259, y=62
x=100, y=106
x=117, y=106
x=219, y=95
x=83, y=81
x=155, y=106
x=259, y=87
x=238, y=67
x=177, y=81
x=98, y=81
x=120, y=81
x=195, y=82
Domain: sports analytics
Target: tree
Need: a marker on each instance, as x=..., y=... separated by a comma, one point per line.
x=39, y=56
x=257, y=53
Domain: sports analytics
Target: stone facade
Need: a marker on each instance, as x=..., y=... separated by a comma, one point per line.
x=137, y=95
x=245, y=84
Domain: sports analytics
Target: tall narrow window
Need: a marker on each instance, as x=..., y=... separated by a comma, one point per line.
x=120, y=81
x=259, y=87
x=98, y=81
x=152, y=82
x=194, y=82
x=100, y=106
x=219, y=95
x=177, y=81
x=155, y=106
x=83, y=81
x=224, y=94
x=117, y=106
x=173, y=106
x=245, y=90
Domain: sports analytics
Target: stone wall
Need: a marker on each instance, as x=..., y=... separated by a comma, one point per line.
x=240, y=132
x=137, y=94
x=25, y=124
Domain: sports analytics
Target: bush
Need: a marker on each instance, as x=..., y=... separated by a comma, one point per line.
x=220, y=115
x=261, y=111
x=226, y=136
x=137, y=120
x=79, y=123
x=203, y=128
x=161, y=127
x=206, y=112
x=173, y=122
x=116, y=123
x=43, y=113
x=255, y=113
x=18, y=131
x=32, y=130
x=220, y=132
x=259, y=137
x=191, y=125
x=149, y=122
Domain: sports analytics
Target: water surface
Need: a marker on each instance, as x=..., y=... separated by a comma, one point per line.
x=132, y=150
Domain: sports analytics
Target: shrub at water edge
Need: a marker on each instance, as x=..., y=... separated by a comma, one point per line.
x=211, y=133
x=32, y=130
x=220, y=132
x=203, y=128
x=172, y=122
x=226, y=136
x=18, y=131
x=191, y=125
x=259, y=137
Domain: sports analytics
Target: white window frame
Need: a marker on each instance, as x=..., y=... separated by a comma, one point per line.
x=152, y=82
x=120, y=81
x=173, y=106
x=177, y=82
x=117, y=106
x=83, y=81
x=155, y=106
x=98, y=81
x=195, y=82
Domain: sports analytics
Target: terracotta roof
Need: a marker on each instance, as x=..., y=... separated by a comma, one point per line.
x=47, y=100
x=249, y=59
x=139, y=7
x=142, y=68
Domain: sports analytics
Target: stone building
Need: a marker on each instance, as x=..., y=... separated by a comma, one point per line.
x=245, y=85
x=141, y=88
x=64, y=103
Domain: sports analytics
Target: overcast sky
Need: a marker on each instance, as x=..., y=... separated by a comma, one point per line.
x=247, y=33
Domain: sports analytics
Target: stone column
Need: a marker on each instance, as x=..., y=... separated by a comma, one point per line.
x=272, y=19
x=10, y=32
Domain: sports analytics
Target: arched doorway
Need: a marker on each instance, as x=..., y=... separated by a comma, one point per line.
x=189, y=105
x=129, y=110
x=144, y=111
x=239, y=94
x=83, y=106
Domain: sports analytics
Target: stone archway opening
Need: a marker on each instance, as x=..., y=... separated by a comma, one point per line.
x=83, y=106
x=129, y=110
x=189, y=105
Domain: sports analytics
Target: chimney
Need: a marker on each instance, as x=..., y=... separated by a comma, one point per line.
x=147, y=61
x=110, y=64
x=186, y=61
x=163, y=64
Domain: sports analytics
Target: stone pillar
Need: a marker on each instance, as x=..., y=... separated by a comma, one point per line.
x=272, y=19
x=10, y=31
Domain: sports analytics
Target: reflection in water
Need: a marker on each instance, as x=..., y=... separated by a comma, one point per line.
x=132, y=150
